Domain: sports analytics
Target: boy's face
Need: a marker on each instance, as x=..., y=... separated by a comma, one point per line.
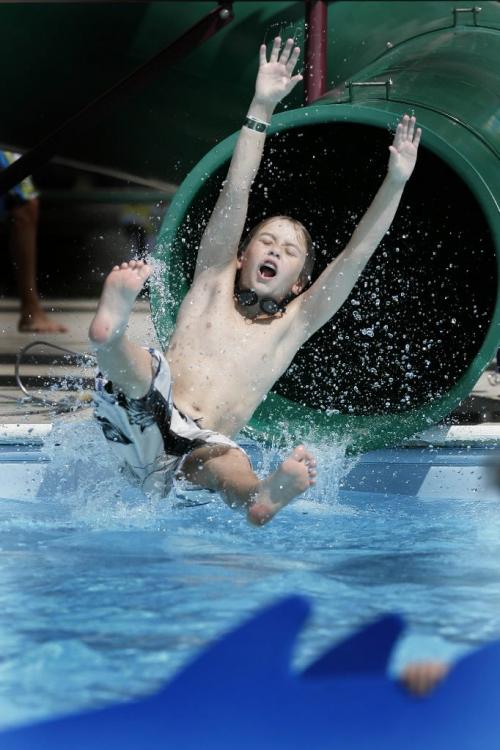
x=273, y=260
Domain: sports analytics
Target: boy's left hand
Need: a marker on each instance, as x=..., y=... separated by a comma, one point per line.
x=404, y=149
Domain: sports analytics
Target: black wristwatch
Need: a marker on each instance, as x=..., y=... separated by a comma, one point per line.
x=257, y=125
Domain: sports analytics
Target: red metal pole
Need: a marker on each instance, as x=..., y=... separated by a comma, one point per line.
x=316, y=38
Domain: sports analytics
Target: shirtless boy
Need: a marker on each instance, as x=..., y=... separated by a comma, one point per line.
x=177, y=414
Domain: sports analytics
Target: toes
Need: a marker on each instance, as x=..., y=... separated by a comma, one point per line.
x=139, y=266
x=311, y=475
x=301, y=454
x=136, y=263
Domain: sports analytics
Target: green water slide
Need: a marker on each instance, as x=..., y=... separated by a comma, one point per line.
x=423, y=321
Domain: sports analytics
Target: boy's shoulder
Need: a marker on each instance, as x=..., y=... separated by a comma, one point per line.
x=221, y=275
x=208, y=285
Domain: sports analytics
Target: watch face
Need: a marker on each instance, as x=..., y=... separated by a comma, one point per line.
x=255, y=125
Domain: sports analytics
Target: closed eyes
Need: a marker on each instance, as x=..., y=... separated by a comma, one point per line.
x=290, y=248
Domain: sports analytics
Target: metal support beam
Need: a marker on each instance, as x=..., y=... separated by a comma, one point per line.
x=316, y=14
x=109, y=99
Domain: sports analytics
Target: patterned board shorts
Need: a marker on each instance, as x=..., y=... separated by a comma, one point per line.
x=19, y=194
x=150, y=436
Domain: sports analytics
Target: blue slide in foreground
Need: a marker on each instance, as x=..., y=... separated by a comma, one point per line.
x=240, y=694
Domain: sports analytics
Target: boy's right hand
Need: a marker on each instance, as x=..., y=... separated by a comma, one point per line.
x=274, y=79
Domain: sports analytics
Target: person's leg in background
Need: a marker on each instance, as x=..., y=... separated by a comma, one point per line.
x=23, y=221
x=22, y=208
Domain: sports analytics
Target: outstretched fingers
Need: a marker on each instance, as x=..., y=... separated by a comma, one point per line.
x=292, y=61
x=275, y=50
x=406, y=124
x=406, y=131
x=288, y=55
x=398, y=137
x=411, y=127
x=286, y=52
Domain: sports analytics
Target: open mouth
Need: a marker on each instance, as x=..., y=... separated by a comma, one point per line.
x=267, y=270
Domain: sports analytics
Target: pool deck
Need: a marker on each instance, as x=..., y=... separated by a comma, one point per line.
x=482, y=406
x=76, y=314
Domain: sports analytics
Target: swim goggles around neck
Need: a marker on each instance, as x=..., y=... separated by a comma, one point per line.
x=249, y=297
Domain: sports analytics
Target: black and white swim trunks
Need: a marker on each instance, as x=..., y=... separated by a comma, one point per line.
x=150, y=436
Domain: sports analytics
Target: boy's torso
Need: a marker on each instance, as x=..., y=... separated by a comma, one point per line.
x=222, y=363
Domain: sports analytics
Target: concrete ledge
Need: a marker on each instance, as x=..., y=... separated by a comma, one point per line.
x=457, y=434
x=35, y=433
x=22, y=434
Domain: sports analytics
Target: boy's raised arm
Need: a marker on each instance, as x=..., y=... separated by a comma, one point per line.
x=222, y=234
x=332, y=288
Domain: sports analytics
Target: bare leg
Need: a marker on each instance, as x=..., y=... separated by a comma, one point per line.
x=228, y=471
x=126, y=364
x=23, y=251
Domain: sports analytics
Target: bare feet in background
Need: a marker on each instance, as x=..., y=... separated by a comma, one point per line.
x=23, y=251
x=37, y=321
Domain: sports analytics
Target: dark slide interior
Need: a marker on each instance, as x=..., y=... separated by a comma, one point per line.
x=419, y=313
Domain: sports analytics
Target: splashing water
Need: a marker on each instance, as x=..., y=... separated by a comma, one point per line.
x=105, y=593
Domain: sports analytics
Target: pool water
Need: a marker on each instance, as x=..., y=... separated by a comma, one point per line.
x=105, y=594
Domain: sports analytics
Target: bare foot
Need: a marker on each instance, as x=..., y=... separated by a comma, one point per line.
x=121, y=288
x=293, y=477
x=420, y=678
x=37, y=321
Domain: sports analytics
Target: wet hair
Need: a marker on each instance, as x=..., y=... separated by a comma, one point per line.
x=306, y=273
